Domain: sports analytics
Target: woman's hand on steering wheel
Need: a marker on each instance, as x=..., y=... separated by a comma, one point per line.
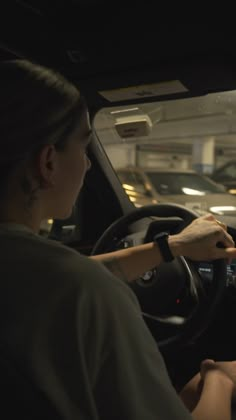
x=204, y=239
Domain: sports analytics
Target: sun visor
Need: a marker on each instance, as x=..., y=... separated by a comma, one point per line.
x=133, y=126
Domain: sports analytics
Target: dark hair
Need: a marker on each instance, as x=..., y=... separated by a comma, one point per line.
x=38, y=106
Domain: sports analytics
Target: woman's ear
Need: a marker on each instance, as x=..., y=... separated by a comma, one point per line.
x=46, y=166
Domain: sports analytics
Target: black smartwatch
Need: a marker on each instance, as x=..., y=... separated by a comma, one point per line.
x=161, y=239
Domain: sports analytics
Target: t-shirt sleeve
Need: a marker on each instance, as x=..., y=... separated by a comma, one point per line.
x=127, y=372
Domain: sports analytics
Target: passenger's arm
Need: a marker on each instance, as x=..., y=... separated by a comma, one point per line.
x=216, y=397
x=197, y=241
x=209, y=395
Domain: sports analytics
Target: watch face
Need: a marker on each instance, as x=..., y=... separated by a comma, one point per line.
x=161, y=235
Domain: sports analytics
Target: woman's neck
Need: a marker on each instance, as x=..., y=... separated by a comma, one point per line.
x=15, y=214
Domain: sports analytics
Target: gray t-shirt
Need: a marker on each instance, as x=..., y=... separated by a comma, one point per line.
x=78, y=333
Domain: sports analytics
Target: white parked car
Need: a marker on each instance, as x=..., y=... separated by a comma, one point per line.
x=186, y=187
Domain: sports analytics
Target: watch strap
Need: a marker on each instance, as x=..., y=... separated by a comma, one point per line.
x=161, y=239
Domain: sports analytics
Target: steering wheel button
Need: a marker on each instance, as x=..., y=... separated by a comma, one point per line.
x=146, y=277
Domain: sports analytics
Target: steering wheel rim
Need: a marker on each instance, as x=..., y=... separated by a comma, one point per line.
x=198, y=319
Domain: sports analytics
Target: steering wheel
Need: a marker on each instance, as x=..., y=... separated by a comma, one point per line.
x=175, y=328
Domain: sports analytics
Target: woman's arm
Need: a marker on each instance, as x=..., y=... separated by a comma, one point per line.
x=130, y=263
x=197, y=241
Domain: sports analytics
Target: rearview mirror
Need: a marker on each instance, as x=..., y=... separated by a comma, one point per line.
x=133, y=126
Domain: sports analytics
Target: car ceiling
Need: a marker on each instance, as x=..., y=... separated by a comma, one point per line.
x=103, y=45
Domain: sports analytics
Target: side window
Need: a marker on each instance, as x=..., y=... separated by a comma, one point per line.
x=45, y=227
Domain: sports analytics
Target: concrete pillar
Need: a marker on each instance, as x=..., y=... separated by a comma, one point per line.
x=203, y=155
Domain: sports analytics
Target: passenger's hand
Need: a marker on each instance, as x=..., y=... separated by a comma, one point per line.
x=226, y=369
x=191, y=392
x=200, y=240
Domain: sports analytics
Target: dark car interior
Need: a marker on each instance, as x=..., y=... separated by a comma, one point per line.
x=99, y=48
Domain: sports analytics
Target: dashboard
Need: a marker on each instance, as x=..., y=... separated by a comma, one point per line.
x=205, y=270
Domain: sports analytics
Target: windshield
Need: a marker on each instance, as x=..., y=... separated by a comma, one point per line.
x=172, y=147
x=181, y=183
